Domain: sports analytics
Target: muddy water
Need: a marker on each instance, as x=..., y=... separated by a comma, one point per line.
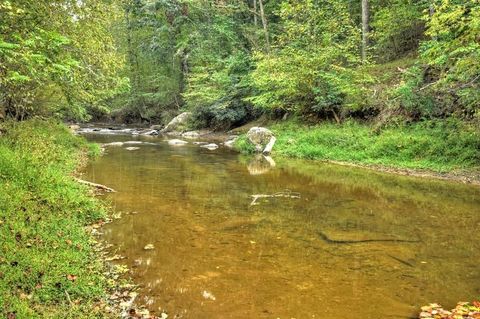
x=357, y=244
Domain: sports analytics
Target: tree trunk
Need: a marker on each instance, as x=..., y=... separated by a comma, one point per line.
x=255, y=18
x=265, y=25
x=365, y=28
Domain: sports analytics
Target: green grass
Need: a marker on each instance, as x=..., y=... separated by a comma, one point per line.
x=440, y=146
x=43, y=212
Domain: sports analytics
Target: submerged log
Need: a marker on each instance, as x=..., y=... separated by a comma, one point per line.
x=95, y=185
x=286, y=194
x=329, y=240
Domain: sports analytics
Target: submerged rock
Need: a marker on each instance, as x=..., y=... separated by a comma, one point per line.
x=149, y=247
x=211, y=146
x=132, y=148
x=262, y=138
x=114, y=144
x=177, y=123
x=176, y=142
x=208, y=295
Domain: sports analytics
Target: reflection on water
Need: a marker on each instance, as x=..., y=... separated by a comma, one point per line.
x=357, y=244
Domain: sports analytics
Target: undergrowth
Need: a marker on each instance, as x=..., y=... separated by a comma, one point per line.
x=47, y=265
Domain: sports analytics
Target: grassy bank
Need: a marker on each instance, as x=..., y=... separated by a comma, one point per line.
x=435, y=146
x=47, y=265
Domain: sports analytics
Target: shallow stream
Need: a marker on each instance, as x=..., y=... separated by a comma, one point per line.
x=356, y=244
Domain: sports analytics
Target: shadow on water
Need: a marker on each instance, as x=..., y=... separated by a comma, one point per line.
x=357, y=244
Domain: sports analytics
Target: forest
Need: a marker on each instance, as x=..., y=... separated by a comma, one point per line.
x=230, y=62
x=347, y=93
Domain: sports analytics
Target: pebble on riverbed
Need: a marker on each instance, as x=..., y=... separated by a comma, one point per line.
x=149, y=247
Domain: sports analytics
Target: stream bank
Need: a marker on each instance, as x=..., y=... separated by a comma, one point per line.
x=448, y=151
x=51, y=266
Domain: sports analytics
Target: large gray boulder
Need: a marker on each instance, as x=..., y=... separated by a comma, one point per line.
x=178, y=123
x=262, y=138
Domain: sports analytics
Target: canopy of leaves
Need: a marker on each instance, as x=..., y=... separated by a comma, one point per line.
x=57, y=57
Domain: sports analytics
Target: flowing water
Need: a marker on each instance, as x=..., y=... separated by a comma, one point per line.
x=356, y=244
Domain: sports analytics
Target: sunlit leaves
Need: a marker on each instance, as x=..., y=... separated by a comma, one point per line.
x=60, y=47
x=454, y=50
x=312, y=68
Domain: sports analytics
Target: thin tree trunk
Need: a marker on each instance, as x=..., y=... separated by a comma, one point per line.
x=431, y=12
x=131, y=55
x=255, y=18
x=365, y=28
x=265, y=25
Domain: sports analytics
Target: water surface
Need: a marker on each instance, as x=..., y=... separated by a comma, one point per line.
x=357, y=244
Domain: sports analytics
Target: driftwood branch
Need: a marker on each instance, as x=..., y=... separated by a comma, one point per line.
x=285, y=194
x=95, y=185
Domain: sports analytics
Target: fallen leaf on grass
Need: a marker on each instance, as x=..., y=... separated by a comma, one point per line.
x=71, y=277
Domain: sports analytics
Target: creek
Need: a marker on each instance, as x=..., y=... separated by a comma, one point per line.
x=356, y=244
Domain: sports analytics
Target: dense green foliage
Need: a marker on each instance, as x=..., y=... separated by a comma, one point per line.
x=440, y=146
x=227, y=60
x=43, y=212
x=58, y=57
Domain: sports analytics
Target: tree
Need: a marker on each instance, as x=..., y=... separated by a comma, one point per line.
x=365, y=28
x=453, y=54
x=265, y=25
x=313, y=70
x=57, y=58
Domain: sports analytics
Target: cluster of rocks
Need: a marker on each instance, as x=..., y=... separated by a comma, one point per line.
x=175, y=127
x=463, y=310
x=262, y=138
x=173, y=142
